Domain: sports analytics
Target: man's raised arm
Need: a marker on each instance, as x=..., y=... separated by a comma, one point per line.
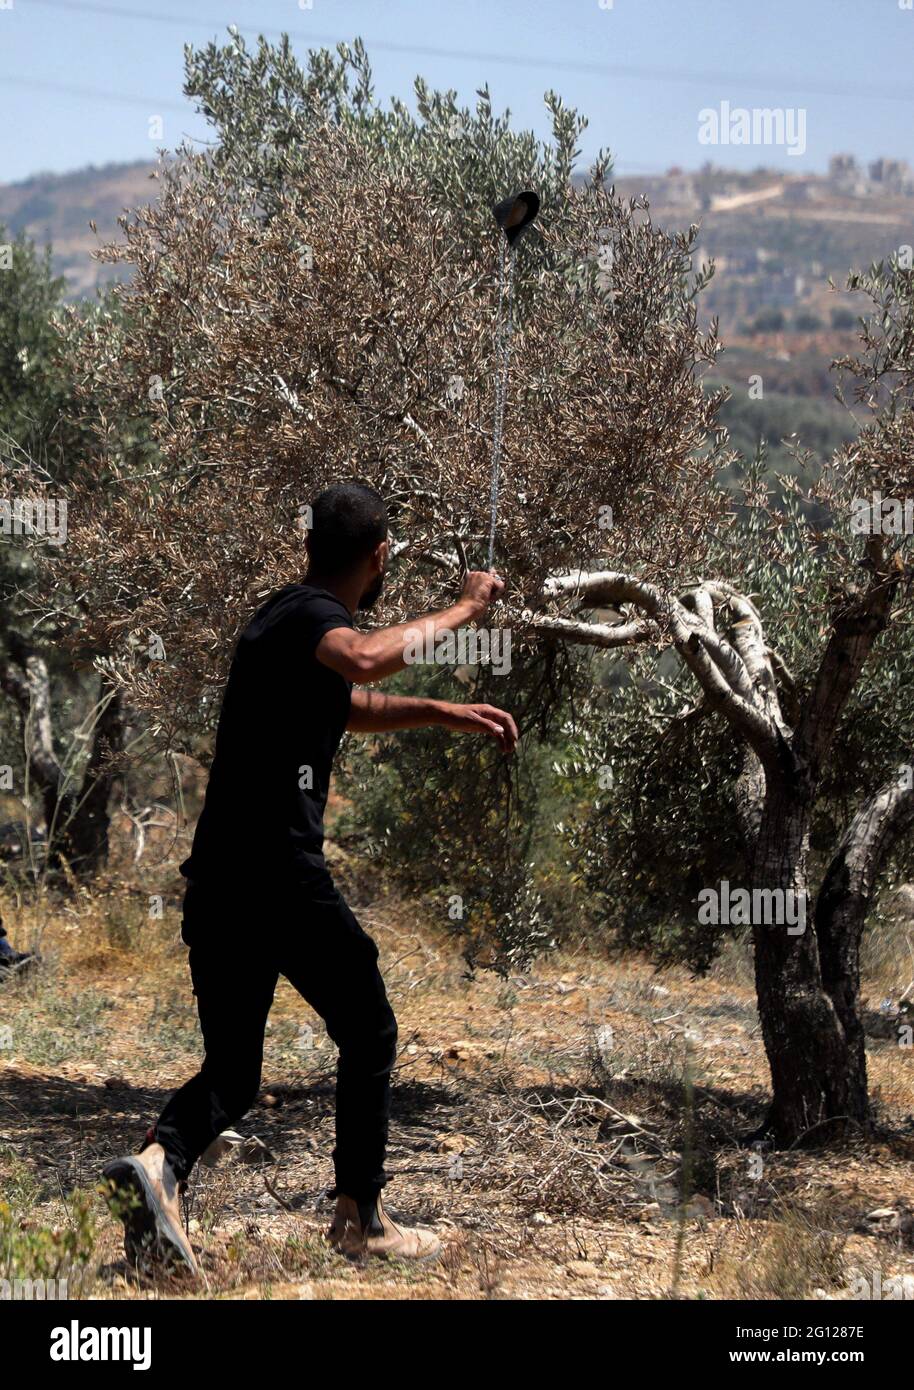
x=364, y=657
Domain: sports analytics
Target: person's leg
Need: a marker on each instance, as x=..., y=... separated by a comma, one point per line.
x=234, y=995
x=333, y=963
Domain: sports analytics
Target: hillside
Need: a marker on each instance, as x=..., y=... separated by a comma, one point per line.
x=777, y=240
x=58, y=208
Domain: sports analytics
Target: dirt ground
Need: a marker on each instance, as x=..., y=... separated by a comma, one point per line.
x=573, y=1133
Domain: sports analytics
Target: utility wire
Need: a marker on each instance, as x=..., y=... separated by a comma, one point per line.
x=780, y=83
x=41, y=84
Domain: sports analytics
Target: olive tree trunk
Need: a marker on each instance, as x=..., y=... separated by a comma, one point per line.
x=807, y=981
x=76, y=813
x=815, y=1051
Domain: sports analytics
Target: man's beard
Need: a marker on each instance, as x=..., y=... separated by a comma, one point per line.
x=371, y=594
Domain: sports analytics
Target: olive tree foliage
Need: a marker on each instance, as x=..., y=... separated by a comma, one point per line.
x=36, y=432
x=32, y=396
x=265, y=109
x=274, y=358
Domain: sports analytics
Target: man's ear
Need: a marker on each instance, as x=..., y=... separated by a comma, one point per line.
x=381, y=556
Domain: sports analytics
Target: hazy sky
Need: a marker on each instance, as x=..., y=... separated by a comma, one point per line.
x=79, y=80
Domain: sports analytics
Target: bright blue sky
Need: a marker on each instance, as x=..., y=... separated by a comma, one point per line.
x=79, y=79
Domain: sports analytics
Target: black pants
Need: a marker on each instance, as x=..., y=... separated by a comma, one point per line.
x=237, y=953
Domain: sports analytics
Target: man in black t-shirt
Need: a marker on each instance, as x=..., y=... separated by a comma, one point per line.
x=260, y=901
x=283, y=715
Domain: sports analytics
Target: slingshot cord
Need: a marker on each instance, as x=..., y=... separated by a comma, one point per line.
x=502, y=359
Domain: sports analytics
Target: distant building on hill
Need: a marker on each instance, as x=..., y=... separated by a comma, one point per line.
x=892, y=175
x=846, y=177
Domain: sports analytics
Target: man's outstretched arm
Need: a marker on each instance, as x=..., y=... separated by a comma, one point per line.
x=372, y=712
x=365, y=657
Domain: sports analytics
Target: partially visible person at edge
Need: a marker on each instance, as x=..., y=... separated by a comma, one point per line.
x=11, y=959
x=260, y=901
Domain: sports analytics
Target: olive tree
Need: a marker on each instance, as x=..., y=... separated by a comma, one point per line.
x=68, y=728
x=845, y=581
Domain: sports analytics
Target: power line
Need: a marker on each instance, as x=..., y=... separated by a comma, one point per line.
x=623, y=72
x=151, y=104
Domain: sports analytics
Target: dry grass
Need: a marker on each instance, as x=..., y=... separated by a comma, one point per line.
x=796, y=1254
x=540, y=1125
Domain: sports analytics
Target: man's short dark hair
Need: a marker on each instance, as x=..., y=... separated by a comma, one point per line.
x=348, y=521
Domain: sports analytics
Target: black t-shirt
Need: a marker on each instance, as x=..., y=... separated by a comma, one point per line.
x=283, y=716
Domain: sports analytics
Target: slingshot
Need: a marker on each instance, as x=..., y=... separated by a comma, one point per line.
x=513, y=216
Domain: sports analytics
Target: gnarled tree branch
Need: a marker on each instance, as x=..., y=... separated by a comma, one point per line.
x=856, y=626
x=720, y=668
